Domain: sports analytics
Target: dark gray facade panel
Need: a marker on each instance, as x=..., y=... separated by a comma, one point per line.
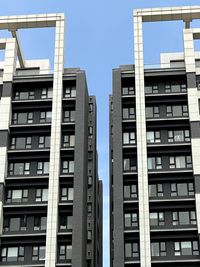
x=7, y=89
x=4, y=138
x=195, y=129
x=2, y=190
x=191, y=80
x=80, y=174
x=117, y=173
x=100, y=209
x=197, y=184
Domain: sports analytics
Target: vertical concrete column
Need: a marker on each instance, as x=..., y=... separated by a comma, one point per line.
x=54, y=169
x=144, y=228
x=5, y=111
x=193, y=106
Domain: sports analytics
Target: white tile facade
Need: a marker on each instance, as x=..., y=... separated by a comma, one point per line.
x=193, y=106
x=10, y=47
x=149, y=15
x=38, y=21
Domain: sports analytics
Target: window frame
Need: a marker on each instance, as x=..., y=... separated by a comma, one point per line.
x=71, y=92
x=130, y=219
x=159, y=190
x=69, y=168
x=128, y=90
x=152, y=112
x=69, y=116
x=44, y=141
x=162, y=249
x=47, y=93
x=178, y=248
x=173, y=138
x=16, y=118
x=174, y=164
x=31, y=95
x=130, y=137
x=156, y=163
x=171, y=110
x=67, y=255
x=45, y=116
x=38, y=255
x=176, y=219
x=133, y=191
x=128, y=113
x=68, y=195
x=133, y=250
x=156, y=137
x=41, y=195
x=19, y=255
x=42, y=167
x=175, y=190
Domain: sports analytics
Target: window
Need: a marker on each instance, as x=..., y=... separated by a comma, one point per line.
x=128, y=113
x=65, y=222
x=156, y=190
x=152, y=112
x=22, y=168
x=89, y=209
x=43, y=167
x=68, y=166
x=47, y=93
x=41, y=195
x=68, y=140
x=90, y=180
x=90, y=130
x=175, y=87
x=22, y=118
x=13, y=224
x=182, y=189
x=186, y=248
x=179, y=136
x=157, y=219
x=153, y=137
x=65, y=252
x=45, y=116
x=90, y=107
x=129, y=138
x=20, y=195
x=130, y=164
x=154, y=163
x=44, y=141
x=128, y=90
x=38, y=253
x=10, y=254
x=131, y=219
x=40, y=223
x=131, y=250
x=180, y=162
x=24, y=95
x=151, y=88
x=158, y=249
x=177, y=111
x=89, y=235
x=130, y=191
x=20, y=143
x=69, y=115
x=67, y=194
x=184, y=218
x=70, y=92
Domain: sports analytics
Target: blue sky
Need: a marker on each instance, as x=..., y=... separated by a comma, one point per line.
x=99, y=37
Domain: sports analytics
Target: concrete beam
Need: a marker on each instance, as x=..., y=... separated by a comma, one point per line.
x=19, y=49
